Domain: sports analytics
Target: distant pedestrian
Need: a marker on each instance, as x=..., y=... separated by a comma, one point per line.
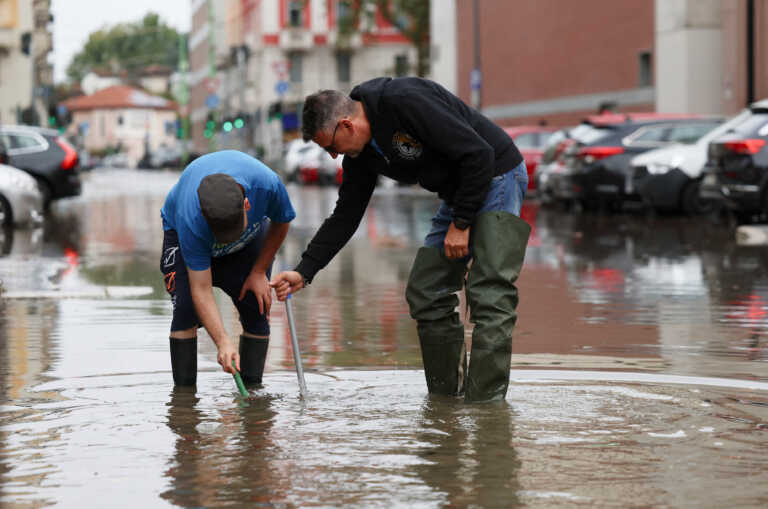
x=414, y=131
x=223, y=223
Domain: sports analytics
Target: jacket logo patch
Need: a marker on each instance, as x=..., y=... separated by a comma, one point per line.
x=406, y=146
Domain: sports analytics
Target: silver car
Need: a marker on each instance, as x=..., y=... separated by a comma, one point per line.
x=21, y=203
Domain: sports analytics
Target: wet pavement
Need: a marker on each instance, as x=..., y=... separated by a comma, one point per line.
x=640, y=375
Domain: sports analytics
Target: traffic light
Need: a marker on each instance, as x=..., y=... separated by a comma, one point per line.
x=53, y=120
x=26, y=43
x=210, y=125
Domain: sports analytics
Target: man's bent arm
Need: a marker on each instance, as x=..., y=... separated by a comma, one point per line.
x=272, y=242
x=201, y=287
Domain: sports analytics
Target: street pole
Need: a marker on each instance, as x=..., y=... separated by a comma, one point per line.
x=184, y=99
x=212, y=63
x=476, y=78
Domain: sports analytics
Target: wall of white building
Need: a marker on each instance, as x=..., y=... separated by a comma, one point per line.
x=688, y=55
x=442, y=28
x=16, y=67
x=128, y=127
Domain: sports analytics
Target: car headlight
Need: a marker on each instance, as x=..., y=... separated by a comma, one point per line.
x=658, y=168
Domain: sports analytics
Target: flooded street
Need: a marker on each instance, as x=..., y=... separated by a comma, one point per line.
x=640, y=370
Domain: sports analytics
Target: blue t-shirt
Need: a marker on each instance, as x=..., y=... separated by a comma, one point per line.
x=181, y=211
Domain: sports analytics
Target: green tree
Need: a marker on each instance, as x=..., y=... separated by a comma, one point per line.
x=128, y=47
x=410, y=17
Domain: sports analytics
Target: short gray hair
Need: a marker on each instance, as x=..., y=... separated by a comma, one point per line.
x=322, y=110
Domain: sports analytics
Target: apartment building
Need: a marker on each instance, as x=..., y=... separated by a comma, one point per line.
x=26, y=76
x=257, y=59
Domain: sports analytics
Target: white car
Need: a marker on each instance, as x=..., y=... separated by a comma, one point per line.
x=308, y=163
x=294, y=153
x=669, y=178
x=21, y=202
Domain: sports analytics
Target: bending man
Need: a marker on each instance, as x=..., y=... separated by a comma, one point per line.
x=413, y=130
x=223, y=222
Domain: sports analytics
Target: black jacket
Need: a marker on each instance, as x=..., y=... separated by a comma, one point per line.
x=429, y=137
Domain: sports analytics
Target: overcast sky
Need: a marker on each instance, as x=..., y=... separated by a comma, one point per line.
x=74, y=20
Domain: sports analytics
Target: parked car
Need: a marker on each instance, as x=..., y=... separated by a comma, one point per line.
x=47, y=156
x=531, y=141
x=551, y=163
x=295, y=149
x=21, y=203
x=117, y=160
x=670, y=178
x=597, y=165
x=736, y=172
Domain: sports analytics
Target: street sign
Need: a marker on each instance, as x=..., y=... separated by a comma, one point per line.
x=211, y=84
x=475, y=79
x=281, y=68
x=212, y=101
x=282, y=87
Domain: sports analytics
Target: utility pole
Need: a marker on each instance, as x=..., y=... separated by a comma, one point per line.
x=476, y=76
x=184, y=97
x=242, y=65
x=212, y=63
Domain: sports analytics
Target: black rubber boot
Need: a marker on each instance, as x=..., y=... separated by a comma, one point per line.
x=431, y=295
x=253, y=354
x=498, y=250
x=184, y=361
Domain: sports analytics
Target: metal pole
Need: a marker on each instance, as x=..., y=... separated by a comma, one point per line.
x=184, y=99
x=212, y=61
x=295, y=344
x=477, y=92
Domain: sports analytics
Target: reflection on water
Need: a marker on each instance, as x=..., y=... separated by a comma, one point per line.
x=87, y=398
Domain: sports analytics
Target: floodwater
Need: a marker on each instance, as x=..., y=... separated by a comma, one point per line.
x=639, y=370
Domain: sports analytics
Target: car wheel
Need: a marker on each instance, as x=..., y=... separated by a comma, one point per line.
x=692, y=203
x=6, y=214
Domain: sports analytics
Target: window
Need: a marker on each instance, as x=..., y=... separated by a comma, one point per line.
x=24, y=141
x=690, y=133
x=401, y=65
x=343, y=10
x=526, y=140
x=343, y=67
x=294, y=71
x=295, y=13
x=644, y=69
x=648, y=136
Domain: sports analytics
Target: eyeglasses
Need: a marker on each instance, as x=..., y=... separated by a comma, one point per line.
x=330, y=148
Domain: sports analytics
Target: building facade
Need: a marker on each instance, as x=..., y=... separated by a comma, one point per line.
x=552, y=61
x=26, y=76
x=123, y=118
x=555, y=62
x=261, y=58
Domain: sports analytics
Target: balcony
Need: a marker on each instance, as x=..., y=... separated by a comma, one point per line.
x=296, y=39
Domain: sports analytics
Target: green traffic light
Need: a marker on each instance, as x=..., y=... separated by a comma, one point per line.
x=210, y=125
x=239, y=123
x=227, y=126
x=208, y=133
x=52, y=121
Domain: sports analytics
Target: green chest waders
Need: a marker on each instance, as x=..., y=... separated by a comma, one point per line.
x=499, y=240
x=431, y=295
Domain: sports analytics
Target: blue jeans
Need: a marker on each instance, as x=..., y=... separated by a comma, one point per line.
x=506, y=193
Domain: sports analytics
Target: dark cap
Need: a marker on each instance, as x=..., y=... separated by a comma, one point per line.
x=221, y=202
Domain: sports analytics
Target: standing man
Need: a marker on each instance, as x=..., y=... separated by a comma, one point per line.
x=223, y=222
x=413, y=130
